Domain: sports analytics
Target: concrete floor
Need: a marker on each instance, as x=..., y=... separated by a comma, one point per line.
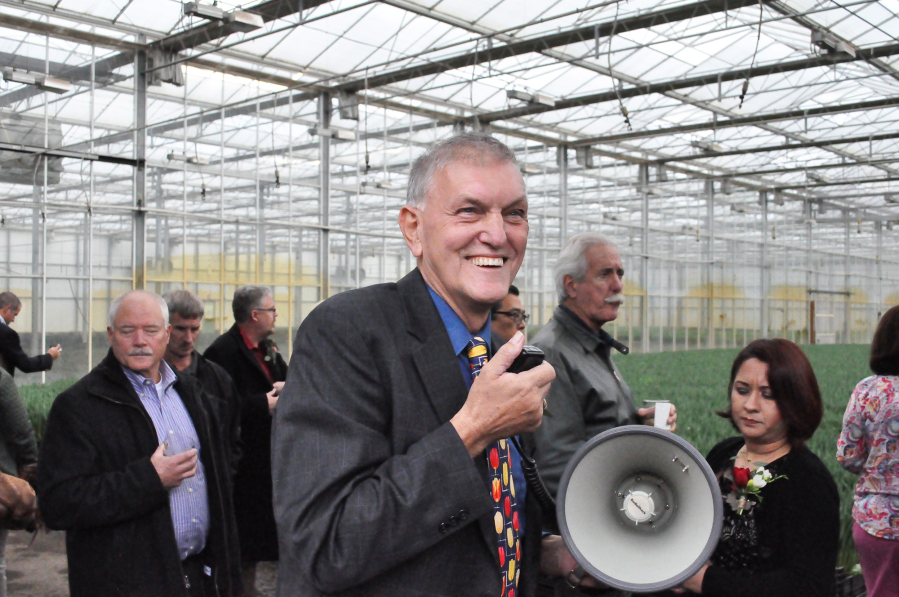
x=36, y=567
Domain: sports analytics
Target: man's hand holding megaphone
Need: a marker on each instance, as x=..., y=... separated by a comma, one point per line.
x=500, y=404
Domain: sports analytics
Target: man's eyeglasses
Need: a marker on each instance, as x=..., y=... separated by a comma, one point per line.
x=517, y=316
x=272, y=309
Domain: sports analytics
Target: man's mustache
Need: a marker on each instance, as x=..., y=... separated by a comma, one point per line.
x=616, y=298
x=141, y=352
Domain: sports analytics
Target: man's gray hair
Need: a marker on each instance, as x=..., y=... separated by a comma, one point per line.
x=117, y=302
x=184, y=303
x=471, y=146
x=247, y=298
x=8, y=299
x=572, y=260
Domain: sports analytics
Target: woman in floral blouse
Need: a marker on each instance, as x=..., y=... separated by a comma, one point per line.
x=781, y=508
x=869, y=446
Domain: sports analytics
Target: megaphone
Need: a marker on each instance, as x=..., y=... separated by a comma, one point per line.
x=639, y=509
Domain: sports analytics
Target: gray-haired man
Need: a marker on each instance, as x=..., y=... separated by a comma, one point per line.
x=186, y=318
x=135, y=471
x=393, y=470
x=589, y=395
x=258, y=370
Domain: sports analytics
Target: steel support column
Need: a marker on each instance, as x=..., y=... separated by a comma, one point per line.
x=846, y=266
x=878, y=231
x=324, y=149
x=36, y=261
x=643, y=174
x=763, y=265
x=139, y=223
x=562, y=159
x=710, y=257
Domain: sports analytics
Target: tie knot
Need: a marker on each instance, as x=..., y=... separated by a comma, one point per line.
x=477, y=354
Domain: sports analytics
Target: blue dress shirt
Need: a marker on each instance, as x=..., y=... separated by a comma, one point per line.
x=460, y=337
x=188, y=501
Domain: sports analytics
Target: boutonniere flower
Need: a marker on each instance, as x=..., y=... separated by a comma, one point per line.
x=748, y=486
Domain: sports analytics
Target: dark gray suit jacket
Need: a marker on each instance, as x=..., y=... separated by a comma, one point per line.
x=375, y=493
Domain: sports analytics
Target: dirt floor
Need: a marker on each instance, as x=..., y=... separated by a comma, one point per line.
x=36, y=567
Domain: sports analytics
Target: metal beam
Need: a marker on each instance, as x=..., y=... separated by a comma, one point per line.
x=553, y=40
x=73, y=73
x=754, y=172
x=835, y=183
x=785, y=147
x=213, y=30
x=814, y=26
x=191, y=38
x=744, y=121
x=690, y=82
x=324, y=121
x=66, y=33
x=139, y=219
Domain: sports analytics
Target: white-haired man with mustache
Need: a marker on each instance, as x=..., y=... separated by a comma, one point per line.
x=134, y=469
x=589, y=395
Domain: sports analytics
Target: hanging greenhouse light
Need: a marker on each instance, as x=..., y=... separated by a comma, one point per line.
x=531, y=98
x=43, y=82
x=238, y=21
x=316, y=131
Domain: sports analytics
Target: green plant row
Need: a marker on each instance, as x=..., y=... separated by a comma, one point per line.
x=38, y=399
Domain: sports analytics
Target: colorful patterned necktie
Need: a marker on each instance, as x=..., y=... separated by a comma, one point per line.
x=499, y=469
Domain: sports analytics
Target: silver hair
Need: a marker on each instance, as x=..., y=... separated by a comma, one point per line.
x=572, y=259
x=470, y=146
x=117, y=302
x=184, y=303
x=247, y=298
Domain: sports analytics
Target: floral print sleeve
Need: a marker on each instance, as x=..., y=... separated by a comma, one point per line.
x=869, y=447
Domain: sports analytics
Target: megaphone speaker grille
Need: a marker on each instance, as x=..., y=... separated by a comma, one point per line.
x=639, y=509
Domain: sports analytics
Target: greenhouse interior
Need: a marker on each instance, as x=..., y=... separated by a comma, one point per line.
x=741, y=154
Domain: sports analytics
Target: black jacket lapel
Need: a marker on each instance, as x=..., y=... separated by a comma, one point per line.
x=435, y=360
x=438, y=367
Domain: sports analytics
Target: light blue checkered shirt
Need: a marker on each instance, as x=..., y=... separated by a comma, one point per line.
x=188, y=502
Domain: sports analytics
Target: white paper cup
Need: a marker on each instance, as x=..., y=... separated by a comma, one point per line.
x=663, y=411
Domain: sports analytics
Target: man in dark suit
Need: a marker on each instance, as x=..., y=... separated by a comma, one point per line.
x=133, y=468
x=249, y=355
x=391, y=449
x=11, y=354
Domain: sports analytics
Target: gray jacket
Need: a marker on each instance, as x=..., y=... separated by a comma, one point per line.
x=17, y=444
x=587, y=397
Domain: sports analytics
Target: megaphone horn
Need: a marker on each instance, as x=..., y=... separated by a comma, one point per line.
x=639, y=509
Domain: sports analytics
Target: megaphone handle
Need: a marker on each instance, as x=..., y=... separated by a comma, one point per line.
x=536, y=484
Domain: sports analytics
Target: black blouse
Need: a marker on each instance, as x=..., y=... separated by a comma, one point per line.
x=784, y=545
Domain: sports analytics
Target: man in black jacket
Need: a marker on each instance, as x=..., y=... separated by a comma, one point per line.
x=186, y=317
x=250, y=356
x=11, y=354
x=134, y=469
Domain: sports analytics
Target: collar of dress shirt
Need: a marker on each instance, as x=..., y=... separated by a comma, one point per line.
x=167, y=376
x=455, y=327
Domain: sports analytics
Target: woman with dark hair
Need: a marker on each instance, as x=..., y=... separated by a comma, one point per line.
x=781, y=507
x=869, y=447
